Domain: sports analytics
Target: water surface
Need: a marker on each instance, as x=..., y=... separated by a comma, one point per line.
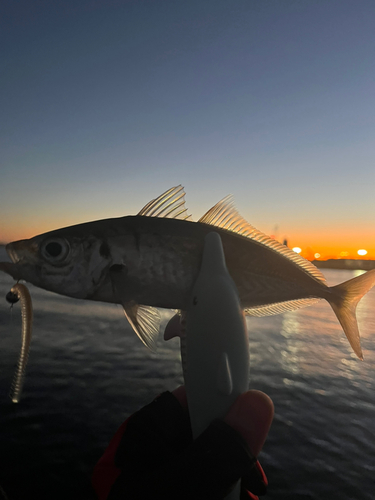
x=88, y=371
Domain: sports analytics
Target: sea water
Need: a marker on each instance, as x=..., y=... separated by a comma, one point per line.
x=88, y=371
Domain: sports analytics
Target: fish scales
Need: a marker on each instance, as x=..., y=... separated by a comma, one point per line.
x=164, y=263
x=160, y=267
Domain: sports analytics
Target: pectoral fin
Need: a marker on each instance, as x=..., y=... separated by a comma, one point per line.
x=145, y=321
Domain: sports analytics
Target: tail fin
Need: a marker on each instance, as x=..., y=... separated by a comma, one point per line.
x=347, y=295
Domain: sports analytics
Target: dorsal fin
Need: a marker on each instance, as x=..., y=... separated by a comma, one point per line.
x=225, y=215
x=170, y=204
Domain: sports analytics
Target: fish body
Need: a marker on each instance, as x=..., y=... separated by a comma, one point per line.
x=152, y=260
x=160, y=261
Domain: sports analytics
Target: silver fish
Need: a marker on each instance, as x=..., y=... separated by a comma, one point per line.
x=152, y=260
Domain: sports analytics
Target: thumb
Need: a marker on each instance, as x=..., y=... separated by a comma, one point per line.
x=251, y=415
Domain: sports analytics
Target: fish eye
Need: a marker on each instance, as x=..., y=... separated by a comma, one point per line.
x=55, y=250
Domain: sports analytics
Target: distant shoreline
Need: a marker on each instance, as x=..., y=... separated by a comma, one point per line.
x=353, y=264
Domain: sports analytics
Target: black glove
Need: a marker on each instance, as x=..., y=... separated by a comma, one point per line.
x=159, y=459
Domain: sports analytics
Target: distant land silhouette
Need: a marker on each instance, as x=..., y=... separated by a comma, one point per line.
x=361, y=264
x=365, y=265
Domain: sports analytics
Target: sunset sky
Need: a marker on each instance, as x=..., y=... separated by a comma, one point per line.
x=106, y=104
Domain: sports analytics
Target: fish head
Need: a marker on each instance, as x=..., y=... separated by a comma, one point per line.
x=68, y=264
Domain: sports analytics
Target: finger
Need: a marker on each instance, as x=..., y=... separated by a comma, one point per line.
x=173, y=328
x=251, y=415
x=180, y=395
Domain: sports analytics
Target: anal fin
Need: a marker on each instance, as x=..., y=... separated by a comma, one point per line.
x=279, y=307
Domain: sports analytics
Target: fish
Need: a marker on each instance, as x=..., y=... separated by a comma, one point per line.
x=151, y=260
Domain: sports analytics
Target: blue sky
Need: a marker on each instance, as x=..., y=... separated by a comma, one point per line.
x=106, y=104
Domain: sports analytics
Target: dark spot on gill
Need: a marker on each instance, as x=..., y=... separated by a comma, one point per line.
x=195, y=300
x=118, y=268
x=104, y=250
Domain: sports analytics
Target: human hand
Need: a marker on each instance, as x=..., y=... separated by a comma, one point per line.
x=153, y=454
x=251, y=416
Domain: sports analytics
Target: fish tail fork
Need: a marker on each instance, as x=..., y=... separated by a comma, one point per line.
x=345, y=298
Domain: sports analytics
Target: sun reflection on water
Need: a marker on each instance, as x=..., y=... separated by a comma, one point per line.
x=290, y=328
x=310, y=341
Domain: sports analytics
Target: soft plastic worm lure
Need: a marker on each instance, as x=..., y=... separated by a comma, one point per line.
x=21, y=292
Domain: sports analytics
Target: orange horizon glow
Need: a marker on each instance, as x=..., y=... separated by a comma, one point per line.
x=343, y=243
x=328, y=245
x=323, y=250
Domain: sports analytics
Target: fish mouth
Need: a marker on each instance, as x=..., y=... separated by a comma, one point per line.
x=11, y=268
x=22, y=253
x=11, y=251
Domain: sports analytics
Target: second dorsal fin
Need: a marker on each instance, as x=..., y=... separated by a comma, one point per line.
x=225, y=215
